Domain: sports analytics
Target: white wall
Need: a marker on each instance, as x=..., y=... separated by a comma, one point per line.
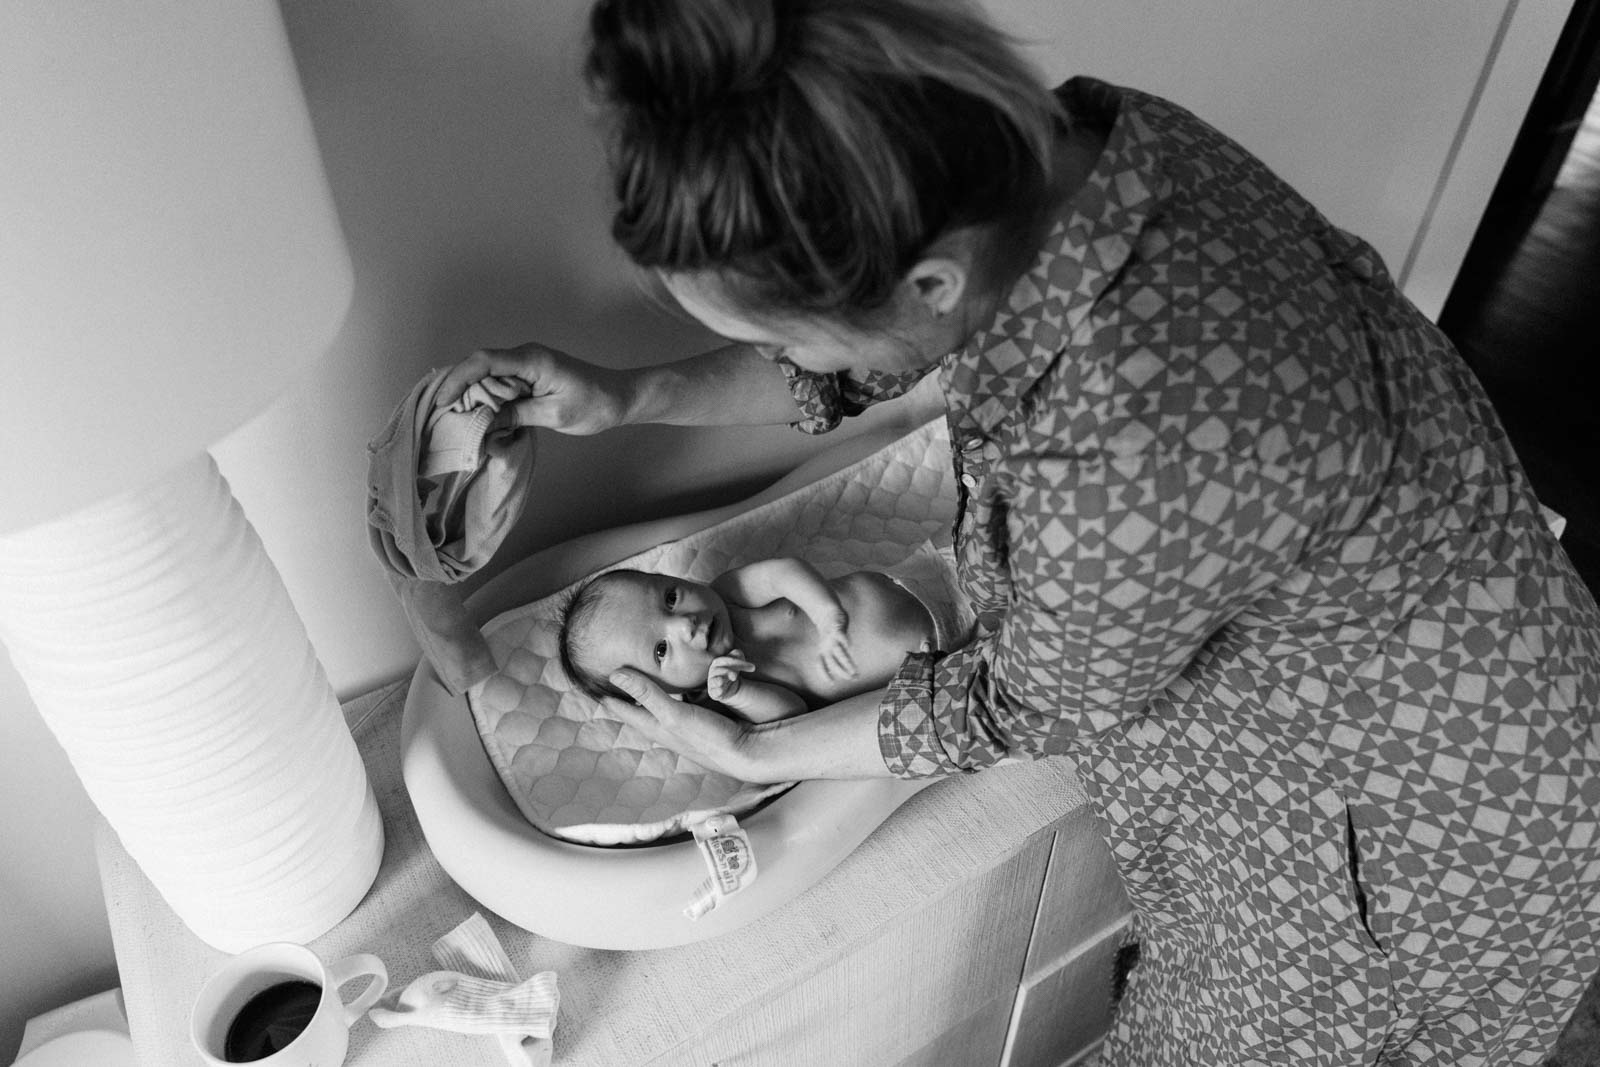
x=470, y=185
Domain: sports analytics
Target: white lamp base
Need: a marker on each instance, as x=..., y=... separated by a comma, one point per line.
x=160, y=646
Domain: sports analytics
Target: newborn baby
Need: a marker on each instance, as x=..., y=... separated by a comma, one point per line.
x=764, y=641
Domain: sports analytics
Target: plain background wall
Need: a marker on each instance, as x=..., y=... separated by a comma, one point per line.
x=468, y=177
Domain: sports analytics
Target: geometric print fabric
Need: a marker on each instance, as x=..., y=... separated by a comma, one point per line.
x=1249, y=545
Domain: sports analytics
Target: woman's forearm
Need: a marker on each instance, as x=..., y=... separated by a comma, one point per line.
x=730, y=386
x=838, y=741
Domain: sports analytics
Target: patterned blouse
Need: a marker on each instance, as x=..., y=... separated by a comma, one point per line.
x=1249, y=544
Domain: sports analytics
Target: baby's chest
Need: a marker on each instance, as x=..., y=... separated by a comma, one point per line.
x=781, y=641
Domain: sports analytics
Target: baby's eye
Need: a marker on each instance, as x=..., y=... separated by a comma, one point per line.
x=671, y=597
x=661, y=651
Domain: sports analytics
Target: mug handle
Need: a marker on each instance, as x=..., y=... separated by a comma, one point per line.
x=352, y=967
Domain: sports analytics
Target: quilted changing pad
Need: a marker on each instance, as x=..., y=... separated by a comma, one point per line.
x=576, y=774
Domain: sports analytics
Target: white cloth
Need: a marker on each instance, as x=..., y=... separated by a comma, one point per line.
x=444, y=487
x=929, y=574
x=479, y=993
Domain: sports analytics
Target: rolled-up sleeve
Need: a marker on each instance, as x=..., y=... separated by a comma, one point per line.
x=825, y=400
x=1120, y=570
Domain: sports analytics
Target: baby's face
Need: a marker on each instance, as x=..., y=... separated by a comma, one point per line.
x=666, y=628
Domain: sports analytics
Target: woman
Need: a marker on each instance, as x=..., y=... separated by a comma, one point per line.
x=1247, y=540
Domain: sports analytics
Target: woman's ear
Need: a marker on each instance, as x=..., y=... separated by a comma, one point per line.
x=939, y=280
x=938, y=283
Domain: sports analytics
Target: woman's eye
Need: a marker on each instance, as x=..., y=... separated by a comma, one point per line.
x=661, y=651
x=671, y=597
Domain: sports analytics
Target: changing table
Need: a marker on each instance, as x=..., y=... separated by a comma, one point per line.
x=977, y=925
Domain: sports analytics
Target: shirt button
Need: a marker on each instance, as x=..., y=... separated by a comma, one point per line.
x=970, y=480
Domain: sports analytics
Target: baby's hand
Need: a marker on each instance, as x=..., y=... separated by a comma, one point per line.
x=722, y=680
x=490, y=392
x=834, y=653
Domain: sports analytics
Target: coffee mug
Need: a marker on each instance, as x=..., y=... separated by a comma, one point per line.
x=278, y=1005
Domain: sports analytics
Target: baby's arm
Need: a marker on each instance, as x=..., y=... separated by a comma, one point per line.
x=798, y=582
x=750, y=700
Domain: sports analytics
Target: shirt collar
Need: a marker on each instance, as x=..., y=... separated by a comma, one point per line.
x=1091, y=238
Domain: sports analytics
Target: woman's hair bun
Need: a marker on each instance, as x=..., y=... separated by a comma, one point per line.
x=809, y=151
x=682, y=57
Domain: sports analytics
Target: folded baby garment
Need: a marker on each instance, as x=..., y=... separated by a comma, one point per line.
x=443, y=490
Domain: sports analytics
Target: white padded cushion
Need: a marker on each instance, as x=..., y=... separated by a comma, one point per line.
x=576, y=774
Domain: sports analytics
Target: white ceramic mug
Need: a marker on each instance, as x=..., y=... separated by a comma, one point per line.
x=325, y=1038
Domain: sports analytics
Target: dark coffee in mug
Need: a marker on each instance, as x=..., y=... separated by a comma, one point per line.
x=271, y=1020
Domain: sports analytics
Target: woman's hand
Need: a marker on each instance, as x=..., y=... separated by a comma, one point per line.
x=705, y=736
x=838, y=741
x=553, y=389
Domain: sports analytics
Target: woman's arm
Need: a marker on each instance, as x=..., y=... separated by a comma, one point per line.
x=838, y=741
x=730, y=386
x=758, y=702
x=1096, y=625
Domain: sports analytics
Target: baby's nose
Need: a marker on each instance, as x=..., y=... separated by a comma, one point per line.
x=694, y=629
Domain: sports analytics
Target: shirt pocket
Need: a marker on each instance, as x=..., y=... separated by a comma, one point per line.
x=1359, y=889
